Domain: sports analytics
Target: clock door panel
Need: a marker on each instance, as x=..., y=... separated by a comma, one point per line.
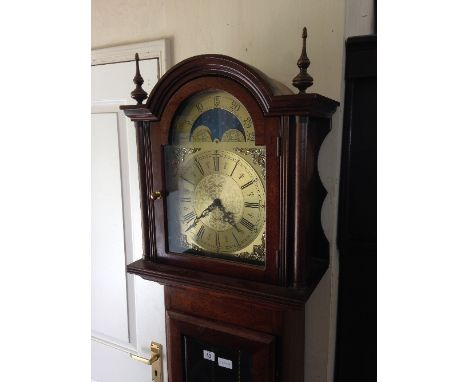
x=205, y=362
x=226, y=236
x=208, y=351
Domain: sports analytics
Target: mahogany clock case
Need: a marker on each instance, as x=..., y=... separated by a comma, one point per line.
x=253, y=317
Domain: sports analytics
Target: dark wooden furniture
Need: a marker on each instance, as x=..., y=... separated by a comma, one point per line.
x=257, y=311
x=356, y=353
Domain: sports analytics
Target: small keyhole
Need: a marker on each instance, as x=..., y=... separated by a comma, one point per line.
x=155, y=373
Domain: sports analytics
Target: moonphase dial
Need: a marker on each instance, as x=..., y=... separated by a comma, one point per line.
x=212, y=116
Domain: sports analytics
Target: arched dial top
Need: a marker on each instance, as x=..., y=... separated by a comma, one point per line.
x=212, y=116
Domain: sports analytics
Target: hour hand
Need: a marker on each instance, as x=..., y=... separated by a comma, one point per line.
x=195, y=222
x=228, y=217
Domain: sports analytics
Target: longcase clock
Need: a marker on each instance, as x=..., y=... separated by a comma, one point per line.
x=231, y=201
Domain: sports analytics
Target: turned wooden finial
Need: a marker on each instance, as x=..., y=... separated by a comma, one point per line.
x=303, y=80
x=138, y=94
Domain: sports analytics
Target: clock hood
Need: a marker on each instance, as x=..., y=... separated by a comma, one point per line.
x=262, y=88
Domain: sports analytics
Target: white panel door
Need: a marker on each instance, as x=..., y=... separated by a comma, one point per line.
x=127, y=311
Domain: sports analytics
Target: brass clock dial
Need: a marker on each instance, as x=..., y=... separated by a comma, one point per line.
x=216, y=180
x=223, y=202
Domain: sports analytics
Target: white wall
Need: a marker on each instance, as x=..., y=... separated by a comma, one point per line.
x=265, y=34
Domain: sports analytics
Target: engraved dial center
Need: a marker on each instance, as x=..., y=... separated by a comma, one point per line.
x=225, y=195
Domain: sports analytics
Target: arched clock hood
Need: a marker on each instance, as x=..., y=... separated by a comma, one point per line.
x=262, y=88
x=272, y=96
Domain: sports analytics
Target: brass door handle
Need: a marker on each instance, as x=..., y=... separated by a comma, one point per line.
x=155, y=361
x=155, y=195
x=146, y=361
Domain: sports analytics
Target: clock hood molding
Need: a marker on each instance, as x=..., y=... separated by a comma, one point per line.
x=257, y=83
x=271, y=95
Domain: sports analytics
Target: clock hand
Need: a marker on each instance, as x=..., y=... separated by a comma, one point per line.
x=204, y=213
x=228, y=217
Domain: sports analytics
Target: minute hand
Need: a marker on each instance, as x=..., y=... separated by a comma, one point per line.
x=204, y=213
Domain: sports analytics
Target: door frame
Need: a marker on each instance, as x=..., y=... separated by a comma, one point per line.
x=157, y=49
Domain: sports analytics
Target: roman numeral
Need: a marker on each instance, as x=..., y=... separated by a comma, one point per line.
x=234, y=168
x=189, y=216
x=187, y=200
x=200, y=232
x=217, y=240
x=249, y=183
x=251, y=205
x=235, y=238
x=188, y=181
x=216, y=162
x=250, y=226
x=199, y=166
x=235, y=106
